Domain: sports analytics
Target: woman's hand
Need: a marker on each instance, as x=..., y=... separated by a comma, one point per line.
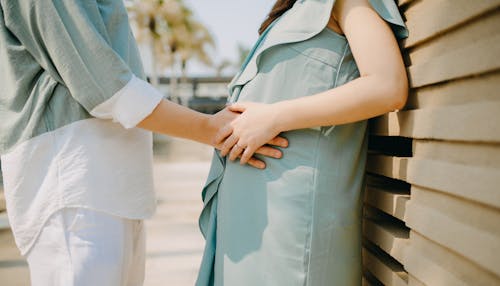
x=223, y=121
x=247, y=134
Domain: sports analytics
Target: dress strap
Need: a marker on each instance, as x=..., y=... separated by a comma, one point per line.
x=388, y=10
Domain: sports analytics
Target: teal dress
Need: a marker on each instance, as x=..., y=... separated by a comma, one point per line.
x=298, y=222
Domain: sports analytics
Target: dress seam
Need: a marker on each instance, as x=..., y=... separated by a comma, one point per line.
x=311, y=57
x=315, y=178
x=340, y=65
x=308, y=255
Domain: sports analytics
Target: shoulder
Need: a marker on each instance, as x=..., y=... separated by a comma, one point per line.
x=348, y=12
x=342, y=7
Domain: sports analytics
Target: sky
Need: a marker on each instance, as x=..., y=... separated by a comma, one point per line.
x=230, y=22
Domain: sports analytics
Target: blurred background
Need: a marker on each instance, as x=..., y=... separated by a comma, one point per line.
x=192, y=49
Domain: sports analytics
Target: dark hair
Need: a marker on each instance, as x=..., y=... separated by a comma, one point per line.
x=280, y=7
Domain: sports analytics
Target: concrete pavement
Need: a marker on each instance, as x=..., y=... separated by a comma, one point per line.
x=174, y=243
x=13, y=267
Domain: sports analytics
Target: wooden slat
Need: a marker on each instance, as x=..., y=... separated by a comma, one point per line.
x=370, y=279
x=473, y=154
x=469, y=229
x=389, y=237
x=456, y=179
x=384, y=269
x=392, y=202
x=476, y=58
x=470, y=182
x=429, y=18
x=468, y=34
x=433, y=264
x=412, y=281
x=468, y=122
x=458, y=92
x=391, y=167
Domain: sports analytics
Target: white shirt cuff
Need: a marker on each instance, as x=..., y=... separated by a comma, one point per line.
x=130, y=105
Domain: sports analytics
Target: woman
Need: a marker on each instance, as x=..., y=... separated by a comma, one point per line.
x=78, y=185
x=319, y=69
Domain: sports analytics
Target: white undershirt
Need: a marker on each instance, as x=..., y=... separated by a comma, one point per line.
x=99, y=164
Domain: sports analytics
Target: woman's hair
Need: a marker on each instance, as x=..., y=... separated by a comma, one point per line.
x=280, y=7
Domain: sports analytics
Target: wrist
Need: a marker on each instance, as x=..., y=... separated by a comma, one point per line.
x=281, y=120
x=208, y=129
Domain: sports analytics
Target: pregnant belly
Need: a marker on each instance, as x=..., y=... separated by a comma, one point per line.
x=252, y=200
x=301, y=154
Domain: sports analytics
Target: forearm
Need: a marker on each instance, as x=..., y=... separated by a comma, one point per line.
x=176, y=120
x=360, y=99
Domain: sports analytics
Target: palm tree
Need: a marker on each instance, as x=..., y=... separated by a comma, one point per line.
x=174, y=35
x=222, y=65
x=194, y=44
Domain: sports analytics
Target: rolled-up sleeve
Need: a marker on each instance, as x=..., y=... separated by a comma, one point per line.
x=70, y=40
x=130, y=105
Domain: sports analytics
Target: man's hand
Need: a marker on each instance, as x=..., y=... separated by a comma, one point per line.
x=222, y=140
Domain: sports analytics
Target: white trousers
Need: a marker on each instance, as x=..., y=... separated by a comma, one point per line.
x=81, y=247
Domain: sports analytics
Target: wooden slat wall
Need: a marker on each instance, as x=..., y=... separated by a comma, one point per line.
x=432, y=201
